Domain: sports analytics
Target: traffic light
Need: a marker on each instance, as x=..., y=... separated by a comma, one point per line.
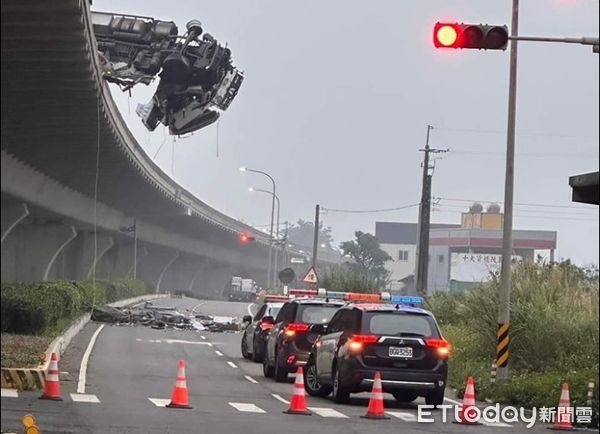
x=476, y=36
x=246, y=238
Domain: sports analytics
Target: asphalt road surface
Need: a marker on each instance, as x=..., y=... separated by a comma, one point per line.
x=132, y=368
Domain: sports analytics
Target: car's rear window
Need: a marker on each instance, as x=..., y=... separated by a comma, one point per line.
x=273, y=311
x=315, y=314
x=399, y=324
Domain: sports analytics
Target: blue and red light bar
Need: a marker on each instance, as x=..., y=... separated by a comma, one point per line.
x=409, y=300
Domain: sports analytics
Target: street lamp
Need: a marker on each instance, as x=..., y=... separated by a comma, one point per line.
x=260, y=172
x=251, y=189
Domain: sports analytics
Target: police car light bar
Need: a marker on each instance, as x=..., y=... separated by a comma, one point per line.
x=407, y=299
x=276, y=298
x=303, y=292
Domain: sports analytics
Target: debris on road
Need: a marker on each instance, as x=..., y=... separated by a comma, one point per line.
x=162, y=317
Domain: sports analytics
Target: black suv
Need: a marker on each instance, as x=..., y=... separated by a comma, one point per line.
x=402, y=342
x=298, y=324
x=257, y=329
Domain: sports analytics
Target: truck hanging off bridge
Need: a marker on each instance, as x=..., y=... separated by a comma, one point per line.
x=197, y=77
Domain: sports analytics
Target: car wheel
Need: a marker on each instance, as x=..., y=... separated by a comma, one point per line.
x=281, y=372
x=403, y=396
x=340, y=395
x=435, y=397
x=267, y=370
x=312, y=385
x=245, y=352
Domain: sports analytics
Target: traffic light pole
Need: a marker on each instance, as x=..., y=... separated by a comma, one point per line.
x=503, y=337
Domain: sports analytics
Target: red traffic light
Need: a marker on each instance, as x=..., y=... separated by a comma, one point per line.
x=246, y=238
x=477, y=36
x=445, y=35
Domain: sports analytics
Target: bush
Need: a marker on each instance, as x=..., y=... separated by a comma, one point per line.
x=45, y=308
x=554, y=334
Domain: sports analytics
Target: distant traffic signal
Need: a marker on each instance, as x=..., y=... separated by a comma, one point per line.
x=475, y=36
x=246, y=238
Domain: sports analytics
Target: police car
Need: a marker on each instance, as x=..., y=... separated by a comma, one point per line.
x=257, y=328
x=373, y=333
x=298, y=324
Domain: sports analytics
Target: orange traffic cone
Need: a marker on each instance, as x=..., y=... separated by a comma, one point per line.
x=52, y=384
x=564, y=421
x=298, y=401
x=179, y=397
x=375, y=409
x=468, y=411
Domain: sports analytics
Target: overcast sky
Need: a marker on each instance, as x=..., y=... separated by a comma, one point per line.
x=337, y=96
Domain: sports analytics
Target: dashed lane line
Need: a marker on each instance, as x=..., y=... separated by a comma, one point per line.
x=279, y=398
x=159, y=402
x=246, y=407
x=218, y=353
x=403, y=415
x=233, y=365
x=250, y=379
x=82, y=397
x=10, y=393
x=85, y=359
x=327, y=412
x=202, y=337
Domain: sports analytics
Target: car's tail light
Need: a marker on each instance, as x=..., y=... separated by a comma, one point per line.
x=266, y=325
x=357, y=342
x=293, y=328
x=442, y=346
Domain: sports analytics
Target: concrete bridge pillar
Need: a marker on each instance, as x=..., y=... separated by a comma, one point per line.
x=12, y=214
x=30, y=251
x=154, y=265
x=84, y=255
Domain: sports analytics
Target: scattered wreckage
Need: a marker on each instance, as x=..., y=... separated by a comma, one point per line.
x=161, y=317
x=197, y=76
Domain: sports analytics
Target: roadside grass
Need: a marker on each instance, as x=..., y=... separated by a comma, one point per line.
x=22, y=351
x=554, y=335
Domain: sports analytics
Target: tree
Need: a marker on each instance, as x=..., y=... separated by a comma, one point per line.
x=369, y=258
x=302, y=234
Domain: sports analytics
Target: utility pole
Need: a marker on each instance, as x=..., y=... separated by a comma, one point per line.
x=424, y=218
x=316, y=238
x=503, y=337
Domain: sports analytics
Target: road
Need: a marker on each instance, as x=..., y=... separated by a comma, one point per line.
x=129, y=365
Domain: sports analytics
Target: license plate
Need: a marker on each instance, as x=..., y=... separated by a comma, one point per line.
x=404, y=352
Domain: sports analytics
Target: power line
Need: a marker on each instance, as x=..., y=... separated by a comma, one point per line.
x=368, y=211
x=589, y=214
x=502, y=132
x=524, y=154
x=529, y=216
x=541, y=205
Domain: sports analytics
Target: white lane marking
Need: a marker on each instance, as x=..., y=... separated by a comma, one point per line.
x=10, y=393
x=327, y=412
x=246, y=407
x=233, y=365
x=173, y=341
x=218, y=353
x=250, y=309
x=85, y=359
x=453, y=401
x=250, y=379
x=406, y=417
x=82, y=397
x=198, y=305
x=159, y=402
x=202, y=337
x=279, y=398
x=496, y=424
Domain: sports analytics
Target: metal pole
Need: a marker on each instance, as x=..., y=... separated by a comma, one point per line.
x=503, y=337
x=134, y=249
x=275, y=283
x=315, y=238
